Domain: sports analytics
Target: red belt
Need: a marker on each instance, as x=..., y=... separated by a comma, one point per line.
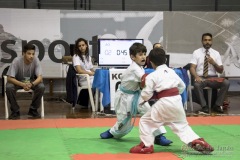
x=167, y=93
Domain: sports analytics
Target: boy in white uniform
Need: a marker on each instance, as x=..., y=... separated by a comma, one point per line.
x=127, y=98
x=167, y=86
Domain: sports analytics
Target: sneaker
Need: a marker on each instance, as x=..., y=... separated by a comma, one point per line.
x=201, y=145
x=34, y=113
x=162, y=140
x=142, y=149
x=204, y=110
x=14, y=116
x=218, y=109
x=106, y=135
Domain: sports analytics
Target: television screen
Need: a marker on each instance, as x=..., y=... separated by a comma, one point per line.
x=115, y=52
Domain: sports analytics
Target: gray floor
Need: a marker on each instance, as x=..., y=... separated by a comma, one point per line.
x=234, y=108
x=56, y=107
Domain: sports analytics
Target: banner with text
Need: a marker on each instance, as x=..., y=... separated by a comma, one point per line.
x=115, y=80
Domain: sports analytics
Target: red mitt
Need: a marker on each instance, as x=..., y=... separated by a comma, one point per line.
x=143, y=79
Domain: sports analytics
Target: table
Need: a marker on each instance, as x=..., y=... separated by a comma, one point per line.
x=106, y=81
x=101, y=83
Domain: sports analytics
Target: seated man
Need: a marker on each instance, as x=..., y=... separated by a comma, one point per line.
x=21, y=75
x=205, y=64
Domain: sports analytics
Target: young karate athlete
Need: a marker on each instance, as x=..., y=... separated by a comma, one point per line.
x=166, y=86
x=127, y=98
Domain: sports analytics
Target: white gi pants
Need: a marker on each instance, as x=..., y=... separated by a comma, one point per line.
x=166, y=111
x=122, y=105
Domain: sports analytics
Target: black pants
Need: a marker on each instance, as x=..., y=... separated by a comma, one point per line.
x=83, y=98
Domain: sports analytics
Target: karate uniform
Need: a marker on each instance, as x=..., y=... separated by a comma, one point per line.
x=167, y=110
x=130, y=81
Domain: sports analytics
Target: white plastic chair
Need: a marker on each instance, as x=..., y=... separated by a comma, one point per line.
x=189, y=89
x=98, y=97
x=89, y=87
x=19, y=91
x=67, y=60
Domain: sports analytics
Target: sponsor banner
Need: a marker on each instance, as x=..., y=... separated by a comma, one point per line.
x=115, y=80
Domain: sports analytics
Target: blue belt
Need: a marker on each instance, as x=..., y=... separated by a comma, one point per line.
x=134, y=106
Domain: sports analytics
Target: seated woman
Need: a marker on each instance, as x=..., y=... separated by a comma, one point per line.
x=82, y=63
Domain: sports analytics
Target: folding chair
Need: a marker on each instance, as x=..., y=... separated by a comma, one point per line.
x=89, y=87
x=190, y=87
x=68, y=61
x=19, y=91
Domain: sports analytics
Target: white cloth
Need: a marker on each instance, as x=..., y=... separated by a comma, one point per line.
x=198, y=59
x=167, y=110
x=131, y=79
x=86, y=65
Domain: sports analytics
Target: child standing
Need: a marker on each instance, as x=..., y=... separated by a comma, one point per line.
x=167, y=86
x=127, y=97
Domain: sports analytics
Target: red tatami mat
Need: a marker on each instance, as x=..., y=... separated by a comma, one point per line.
x=103, y=122
x=124, y=156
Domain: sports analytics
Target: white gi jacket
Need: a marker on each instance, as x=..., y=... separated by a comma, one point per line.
x=166, y=109
x=123, y=102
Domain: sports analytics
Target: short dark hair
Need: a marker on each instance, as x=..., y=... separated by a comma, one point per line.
x=28, y=47
x=136, y=48
x=206, y=34
x=157, y=56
